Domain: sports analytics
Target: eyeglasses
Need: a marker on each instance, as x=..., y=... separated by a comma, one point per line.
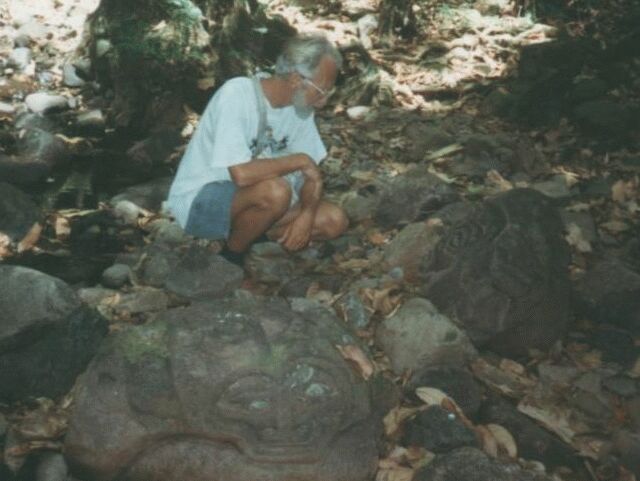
x=323, y=92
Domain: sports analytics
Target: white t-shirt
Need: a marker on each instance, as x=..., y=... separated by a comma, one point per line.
x=226, y=136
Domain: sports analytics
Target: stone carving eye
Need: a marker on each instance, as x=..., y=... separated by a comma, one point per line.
x=248, y=396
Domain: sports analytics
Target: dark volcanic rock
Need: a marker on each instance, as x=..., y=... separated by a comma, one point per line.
x=457, y=383
x=438, y=431
x=610, y=293
x=412, y=196
x=501, y=273
x=533, y=441
x=470, y=464
x=18, y=213
x=38, y=152
x=47, y=336
x=234, y=390
x=201, y=274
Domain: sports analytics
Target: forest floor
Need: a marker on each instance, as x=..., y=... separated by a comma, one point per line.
x=451, y=97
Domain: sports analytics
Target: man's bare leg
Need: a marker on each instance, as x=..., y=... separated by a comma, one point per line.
x=330, y=222
x=256, y=208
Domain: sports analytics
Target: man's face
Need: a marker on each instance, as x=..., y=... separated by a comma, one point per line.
x=314, y=92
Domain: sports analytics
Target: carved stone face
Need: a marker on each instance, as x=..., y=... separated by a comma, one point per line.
x=501, y=272
x=221, y=384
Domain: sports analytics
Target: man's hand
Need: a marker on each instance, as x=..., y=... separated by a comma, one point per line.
x=298, y=233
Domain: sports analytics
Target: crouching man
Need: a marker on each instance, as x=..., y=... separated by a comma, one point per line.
x=251, y=167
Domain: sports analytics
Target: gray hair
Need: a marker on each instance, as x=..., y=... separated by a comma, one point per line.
x=302, y=54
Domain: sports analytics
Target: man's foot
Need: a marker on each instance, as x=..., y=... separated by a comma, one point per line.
x=236, y=258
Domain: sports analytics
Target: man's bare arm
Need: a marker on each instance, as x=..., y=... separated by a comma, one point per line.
x=257, y=170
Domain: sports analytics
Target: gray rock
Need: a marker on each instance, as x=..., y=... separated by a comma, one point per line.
x=127, y=212
x=471, y=464
x=201, y=274
x=47, y=336
x=414, y=242
x=18, y=213
x=610, y=293
x=70, y=77
x=556, y=187
x=412, y=196
x=149, y=195
x=169, y=232
x=33, y=30
x=424, y=137
x=417, y=337
x=31, y=121
x=94, y=296
x=20, y=58
x=51, y=467
x=501, y=272
x=557, y=375
x=236, y=389
x=116, y=276
x=91, y=122
x=269, y=263
x=38, y=153
x=621, y=385
x=22, y=41
x=456, y=382
x=358, y=207
x=141, y=300
x=437, y=430
x=584, y=220
x=533, y=441
x=155, y=265
x=627, y=446
x=6, y=108
x=353, y=310
x=42, y=102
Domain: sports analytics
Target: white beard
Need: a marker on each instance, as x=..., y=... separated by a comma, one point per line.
x=303, y=111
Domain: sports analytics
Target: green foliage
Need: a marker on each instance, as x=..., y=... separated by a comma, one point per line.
x=165, y=34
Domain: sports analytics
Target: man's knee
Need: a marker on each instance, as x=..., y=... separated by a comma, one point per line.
x=274, y=195
x=333, y=221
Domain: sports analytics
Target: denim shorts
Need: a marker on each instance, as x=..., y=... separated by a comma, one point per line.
x=210, y=213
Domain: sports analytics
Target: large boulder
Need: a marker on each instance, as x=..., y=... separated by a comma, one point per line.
x=501, y=272
x=419, y=337
x=471, y=464
x=47, y=336
x=238, y=389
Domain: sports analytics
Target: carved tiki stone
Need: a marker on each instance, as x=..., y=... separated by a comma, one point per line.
x=225, y=391
x=500, y=271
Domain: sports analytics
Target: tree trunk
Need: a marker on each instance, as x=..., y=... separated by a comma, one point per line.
x=397, y=18
x=155, y=55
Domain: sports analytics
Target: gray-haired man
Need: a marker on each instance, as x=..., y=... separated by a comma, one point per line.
x=251, y=166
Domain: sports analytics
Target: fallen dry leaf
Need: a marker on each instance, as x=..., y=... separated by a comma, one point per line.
x=615, y=226
x=506, y=382
x=5, y=245
x=496, y=180
x=29, y=240
x=62, y=227
x=394, y=418
x=488, y=441
x=505, y=441
x=358, y=358
x=384, y=301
